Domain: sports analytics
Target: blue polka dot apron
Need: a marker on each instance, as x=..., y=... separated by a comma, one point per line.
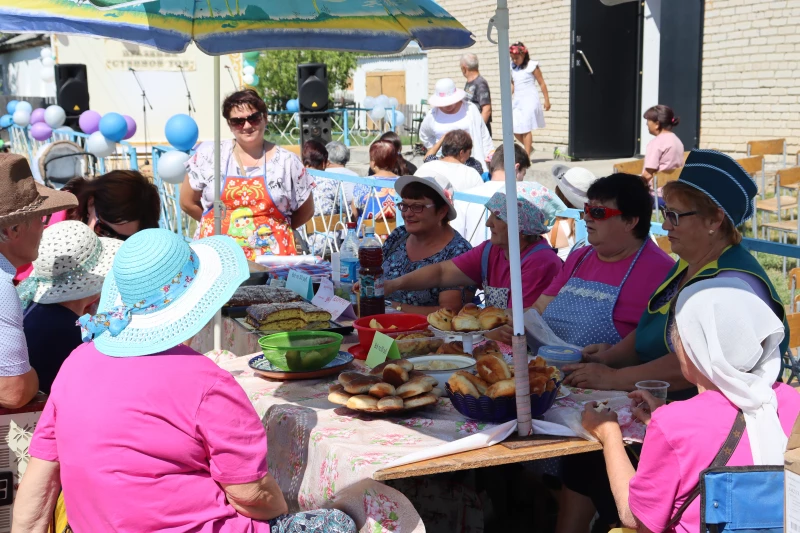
x=498, y=296
x=583, y=311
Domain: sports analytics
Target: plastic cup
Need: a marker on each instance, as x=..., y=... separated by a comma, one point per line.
x=657, y=388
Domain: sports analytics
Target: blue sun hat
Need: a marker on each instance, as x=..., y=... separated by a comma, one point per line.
x=723, y=180
x=162, y=291
x=537, y=207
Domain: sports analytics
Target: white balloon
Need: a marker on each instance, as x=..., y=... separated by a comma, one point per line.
x=46, y=52
x=393, y=102
x=25, y=106
x=382, y=101
x=249, y=70
x=48, y=75
x=98, y=145
x=400, y=119
x=171, y=166
x=369, y=102
x=48, y=62
x=378, y=112
x=248, y=79
x=64, y=129
x=22, y=118
x=55, y=116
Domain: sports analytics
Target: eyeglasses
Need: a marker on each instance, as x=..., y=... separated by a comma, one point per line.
x=673, y=216
x=101, y=229
x=254, y=120
x=600, y=212
x=415, y=208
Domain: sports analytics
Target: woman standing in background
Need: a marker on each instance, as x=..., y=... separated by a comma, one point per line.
x=528, y=111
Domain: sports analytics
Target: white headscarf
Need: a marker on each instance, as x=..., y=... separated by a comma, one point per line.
x=733, y=339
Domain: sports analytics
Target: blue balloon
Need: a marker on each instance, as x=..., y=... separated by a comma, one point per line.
x=12, y=106
x=293, y=106
x=182, y=132
x=6, y=121
x=26, y=106
x=113, y=126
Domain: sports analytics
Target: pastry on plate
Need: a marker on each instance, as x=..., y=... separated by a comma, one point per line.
x=357, y=383
x=441, y=319
x=470, y=309
x=451, y=348
x=362, y=402
x=479, y=383
x=419, y=401
x=492, y=317
x=492, y=369
x=501, y=388
x=466, y=323
x=462, y=385
x=390, y=403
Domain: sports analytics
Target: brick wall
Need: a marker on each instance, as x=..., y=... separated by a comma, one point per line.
x=544, y=27
x=751, y=57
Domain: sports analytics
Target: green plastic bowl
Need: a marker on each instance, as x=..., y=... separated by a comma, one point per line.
x=301, y=351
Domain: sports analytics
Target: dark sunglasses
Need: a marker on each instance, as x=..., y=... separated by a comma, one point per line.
x=415, y=208
x=254, y=120
x=101, y=229
x=599, y=212
x=673, y=216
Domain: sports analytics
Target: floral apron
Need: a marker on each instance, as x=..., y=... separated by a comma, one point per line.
x=498, y=296
x=250, y=216
x=583, y=311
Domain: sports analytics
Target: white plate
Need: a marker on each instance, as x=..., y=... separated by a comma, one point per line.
x=563, y=392
x=464, y=362
x=462, y=334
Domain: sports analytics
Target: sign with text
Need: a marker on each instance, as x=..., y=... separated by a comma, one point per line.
x=383, y=347
x=327, y=300
x=122, y=56
x=300, y=282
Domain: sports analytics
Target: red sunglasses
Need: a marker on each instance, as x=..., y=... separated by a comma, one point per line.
x=599, y=212
x=254, y=120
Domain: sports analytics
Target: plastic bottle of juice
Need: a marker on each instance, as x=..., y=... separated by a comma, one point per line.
x=349, y=263
x=370, y=257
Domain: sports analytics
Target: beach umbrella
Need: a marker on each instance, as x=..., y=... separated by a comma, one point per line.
x=230, y=26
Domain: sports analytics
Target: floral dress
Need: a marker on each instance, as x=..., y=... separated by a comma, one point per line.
x=396, y=263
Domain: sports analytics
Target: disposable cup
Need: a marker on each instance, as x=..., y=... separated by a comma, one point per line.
x=657, y=388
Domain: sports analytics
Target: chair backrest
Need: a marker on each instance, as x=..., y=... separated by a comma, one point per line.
x=686, y=156
x=793, y=319
x=788, y=176
x=635, y=167
x=752, y=165
x=742, y=499
x=318, y=223
x=382, y=228
x=296, y=149
x=664, y=244
x=665, y=176
x=771, y=147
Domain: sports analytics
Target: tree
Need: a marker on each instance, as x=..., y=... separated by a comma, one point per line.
x=277, y=72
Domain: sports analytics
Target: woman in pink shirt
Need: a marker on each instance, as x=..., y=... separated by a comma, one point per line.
x=145, y=434
x=728, y=343
x=665, y=152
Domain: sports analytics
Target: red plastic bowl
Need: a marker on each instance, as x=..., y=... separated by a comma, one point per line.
x=403, y=321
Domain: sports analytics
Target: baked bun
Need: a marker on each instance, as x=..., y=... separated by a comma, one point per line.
x=357, y=383
x=441, y=319
x=403, y=363
x=491, y=369
x=395, y=374
x=415, y=387
x=466, y=323
x=471, y=310
x=335, y=387
x=339, y=397
x=479, y=383
x=362, y=402
x=461, y=385
x=492, y=317
x=381, y=390
x=487, y=348
x=452, y=348
x=538, y=383
x=501, y=388
x=419, y=401
x=390, y=403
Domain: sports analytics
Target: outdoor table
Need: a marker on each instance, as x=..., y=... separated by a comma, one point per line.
x=324, y=455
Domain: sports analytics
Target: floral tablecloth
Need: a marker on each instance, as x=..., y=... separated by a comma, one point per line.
x=324, y=456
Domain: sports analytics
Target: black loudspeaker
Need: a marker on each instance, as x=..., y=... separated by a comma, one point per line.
x=312, y=95
x=72, y=91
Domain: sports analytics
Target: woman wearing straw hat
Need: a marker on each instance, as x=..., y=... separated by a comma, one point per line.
x=157, y=436
x=66, y=280
x=728, y=343
x=451, y=111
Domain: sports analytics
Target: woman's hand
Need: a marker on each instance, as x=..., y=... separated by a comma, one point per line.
x=547, y=105
x=591, y=376
x=591, y=352
x=644, y=404
x=601, y=425
x=356, y=288
x=502, y=334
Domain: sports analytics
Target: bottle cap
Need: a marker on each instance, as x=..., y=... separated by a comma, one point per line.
x=351, y=225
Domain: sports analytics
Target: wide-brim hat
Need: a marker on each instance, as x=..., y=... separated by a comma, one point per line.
x=21, y=198
x=537, y=207
x=573, y=182
x=723, y=180
x=156, y=259
x=440, y=185
x=72, y=264
x=446, y=93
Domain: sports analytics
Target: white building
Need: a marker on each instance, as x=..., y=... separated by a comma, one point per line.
x=21, y=67
x=403, y=75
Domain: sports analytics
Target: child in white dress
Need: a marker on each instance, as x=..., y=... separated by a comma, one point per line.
x=528, y=111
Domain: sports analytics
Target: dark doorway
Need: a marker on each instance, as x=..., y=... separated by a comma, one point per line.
x=605, y=77
x=679, y=75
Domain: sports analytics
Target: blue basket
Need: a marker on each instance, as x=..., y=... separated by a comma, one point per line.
x=503, y=409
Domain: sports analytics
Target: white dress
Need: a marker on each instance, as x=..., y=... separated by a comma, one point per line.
x=527, y=108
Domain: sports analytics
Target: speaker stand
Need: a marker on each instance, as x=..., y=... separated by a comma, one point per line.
x=145, y=104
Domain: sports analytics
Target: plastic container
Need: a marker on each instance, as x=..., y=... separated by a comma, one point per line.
x=657, y=388
x=404, y=322
x=498, y=410
x=348, y=259
x=301, y=350
x=560, y=356
x=370, y=257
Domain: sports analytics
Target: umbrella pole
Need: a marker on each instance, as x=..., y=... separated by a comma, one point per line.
x=519, y=344
x=217, y=203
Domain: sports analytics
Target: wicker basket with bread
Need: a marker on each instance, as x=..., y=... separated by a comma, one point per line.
x=471, y=319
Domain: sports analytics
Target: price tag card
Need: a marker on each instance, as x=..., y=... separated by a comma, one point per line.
x=383, y=347
x=327, y=300
x=300, y=282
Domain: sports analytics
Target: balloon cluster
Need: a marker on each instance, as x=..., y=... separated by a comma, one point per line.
x=249, y=76
x=182, y=133
x=382, y=106
x=43, y=121
x=105, y=131
x=48, y=63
